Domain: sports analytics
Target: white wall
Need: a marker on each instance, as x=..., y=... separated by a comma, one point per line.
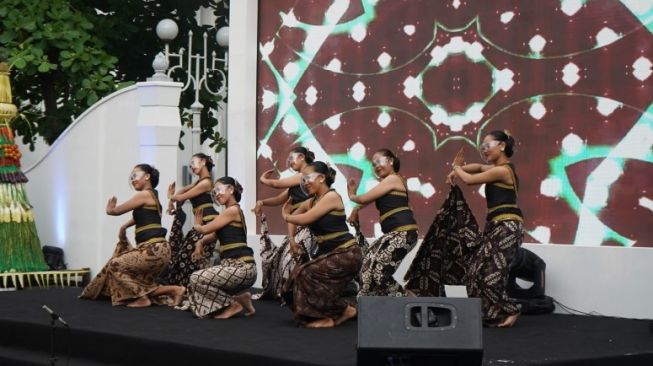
x=69, y=186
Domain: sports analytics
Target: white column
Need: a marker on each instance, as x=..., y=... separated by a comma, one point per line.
x=158, y=125
x=241, y=114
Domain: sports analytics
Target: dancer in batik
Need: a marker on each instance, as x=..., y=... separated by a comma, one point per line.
x=314, y=291
x=485, y=256
x=129, y=276
x=181, y=265
x=277, y=261
x=218, y=291
x=383, y=257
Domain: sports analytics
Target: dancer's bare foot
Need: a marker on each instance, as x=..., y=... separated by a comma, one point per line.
x=232, y=310
x=410, y=293
x=246, y=301
x=141, y=302
x=349, y=313
x=509, y=321
x=177, y=295
x=321, y=323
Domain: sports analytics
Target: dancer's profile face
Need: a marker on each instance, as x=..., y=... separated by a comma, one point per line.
x=221, y=193
x=295, y=161
x=311, y=180
x=138, y=179
x=382, y=165
x=490, y=149
x=196, y=165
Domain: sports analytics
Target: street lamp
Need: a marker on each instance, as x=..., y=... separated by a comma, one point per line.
x=198, y=67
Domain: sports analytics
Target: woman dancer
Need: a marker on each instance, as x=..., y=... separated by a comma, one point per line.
x=278, y=262
x=314, y=289
x=214, y=292
x=485, y=256
x=383, y=257
x=129, y=276
x=181, y=264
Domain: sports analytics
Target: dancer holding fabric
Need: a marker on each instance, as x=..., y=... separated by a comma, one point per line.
x=383, y=257
x=129, y=276
x=314, y=291
x=485, y=256
x=277, y=261
x=218, y=291
x=181, y=265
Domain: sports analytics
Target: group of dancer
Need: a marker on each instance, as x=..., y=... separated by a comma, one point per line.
x=315, y=265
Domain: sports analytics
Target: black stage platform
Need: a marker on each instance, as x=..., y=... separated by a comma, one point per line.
x=101, y=334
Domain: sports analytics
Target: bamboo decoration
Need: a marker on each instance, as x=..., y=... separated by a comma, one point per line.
x=20, y=248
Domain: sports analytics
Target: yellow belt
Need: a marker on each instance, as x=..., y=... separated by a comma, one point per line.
x=152, y=240
x=201, y=207
x=231, y=246
x=408, y=227
x=507, y=217
x=392, y=212
x=147, y=227
x=208, y=218
x=323, y=238
x=346, y=244
x=492, y=209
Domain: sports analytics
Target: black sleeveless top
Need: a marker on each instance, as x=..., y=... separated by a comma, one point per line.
x=148, y=222
x=233, y=241
x=394, y=212
x=297, y=196
x=331, y=231
x=502, y=199
x=204, y=202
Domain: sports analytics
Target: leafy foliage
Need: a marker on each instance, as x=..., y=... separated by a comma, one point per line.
x=66, y=54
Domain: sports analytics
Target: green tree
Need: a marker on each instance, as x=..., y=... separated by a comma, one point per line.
x=66, y=54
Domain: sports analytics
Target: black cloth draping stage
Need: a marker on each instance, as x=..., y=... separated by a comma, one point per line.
x=101, y=334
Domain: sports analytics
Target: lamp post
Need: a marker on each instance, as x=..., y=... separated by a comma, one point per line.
x=198, y=68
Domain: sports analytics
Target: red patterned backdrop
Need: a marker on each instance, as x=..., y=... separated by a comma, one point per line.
x=570, y=80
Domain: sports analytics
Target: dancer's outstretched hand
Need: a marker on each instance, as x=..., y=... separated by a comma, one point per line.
x=266, y=176
x=460, y=158
x=353, y=217
x=257, y=210
x=351, y=187
x=198, y=253
x=111, y=204
x=171, y=189
x=451, y=178
x=286, y=209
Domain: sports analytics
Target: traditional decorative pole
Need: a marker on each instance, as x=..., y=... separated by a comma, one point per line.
x=20, y=248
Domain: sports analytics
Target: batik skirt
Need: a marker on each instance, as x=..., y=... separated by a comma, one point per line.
x=314, y=291
x=380, y=262
x=212, y=289
x=130, y=273
x=181, y=265
x=455, y=252
x=278, y=263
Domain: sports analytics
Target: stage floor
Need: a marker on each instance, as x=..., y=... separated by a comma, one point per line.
x=102, y=334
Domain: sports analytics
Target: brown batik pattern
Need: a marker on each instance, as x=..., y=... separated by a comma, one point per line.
x=181, y=265
x=314, y=289
x=212, y=289
x=454, y=252
x=381, y=261
x=277, y=263
x=130, y=273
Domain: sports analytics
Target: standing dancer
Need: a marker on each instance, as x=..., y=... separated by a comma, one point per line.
x=214, y=292
x=181, y=264
x=314, y=289
x=278, y=262
x=383, y=257
x=129, y=276
x=485, y=256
